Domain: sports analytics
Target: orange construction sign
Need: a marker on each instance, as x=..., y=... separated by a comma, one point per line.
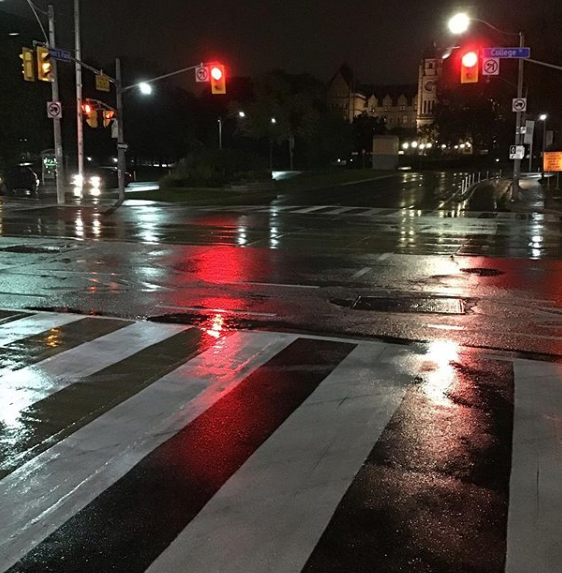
x=552, y=161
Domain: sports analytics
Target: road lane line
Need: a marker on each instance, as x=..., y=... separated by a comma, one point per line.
x=38, y=427
x=34, y=383
x=339, y=211
x=127, y=527
x=535, y=508
x=275, y=284
x=433, y=493
x=362, y=272
x=384, y=256
x=32, y=325
x=312, y=209
x=42, y=495
x=271, y=513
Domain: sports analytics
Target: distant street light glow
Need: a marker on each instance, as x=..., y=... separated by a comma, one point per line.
x=145, y=89
x=459, y=23
x=543, y=117
x=414, y=144
x=405, y=145
x=273, y=120
x=241, y=114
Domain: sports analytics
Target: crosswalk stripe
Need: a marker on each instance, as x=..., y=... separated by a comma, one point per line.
x=339, y=211
x=134, y=520
x=50, y=420
x=32, y=325
x=43, y=494
x=53, y=342
x=35, y=383
x=287, y=491
x=443, y=459
x=11, y=315
x=535, y=494
x=311, y=209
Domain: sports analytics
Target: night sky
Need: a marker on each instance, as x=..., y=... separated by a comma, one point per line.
x=382, y=39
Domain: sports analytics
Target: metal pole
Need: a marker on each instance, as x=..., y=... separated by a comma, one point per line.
x=220, y=132
x=531, y=154
x=78, y=67
x=518, y=139
x=121, y=158
x=543, y=145
x=56, y=122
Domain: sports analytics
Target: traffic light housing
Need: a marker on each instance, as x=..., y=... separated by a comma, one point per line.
x=218, y=79
x=108, y=117
x=44, y=65
x=27, y=67
x=470, y=63
x=91, y=114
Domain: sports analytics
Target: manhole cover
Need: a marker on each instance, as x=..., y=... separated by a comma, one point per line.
x=30, y=249
x=481, y=272
x=423, y=305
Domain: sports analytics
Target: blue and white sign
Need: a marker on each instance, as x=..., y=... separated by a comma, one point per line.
x=507, y=52
x=59, y=54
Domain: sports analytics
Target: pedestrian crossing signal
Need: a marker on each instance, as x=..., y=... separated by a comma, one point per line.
x=469, y=68
x=218, y=79
x=27, y=67
x=44, y=65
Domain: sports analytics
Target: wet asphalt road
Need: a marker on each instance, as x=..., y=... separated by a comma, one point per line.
x=301, y=425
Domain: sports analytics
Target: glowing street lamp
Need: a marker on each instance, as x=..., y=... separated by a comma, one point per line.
x=459, y=23
x=145, y=88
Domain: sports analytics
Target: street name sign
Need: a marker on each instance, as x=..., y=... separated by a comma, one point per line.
x=506, y=53
x=517, y=152
x=123, y=146
x=54, y=110
x=491, y=67
x=102, y=83
x=59, y=54
x=552, y=161
x=201, y=74
x=519, y=104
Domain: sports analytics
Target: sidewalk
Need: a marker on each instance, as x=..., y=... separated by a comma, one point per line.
x=538, y=195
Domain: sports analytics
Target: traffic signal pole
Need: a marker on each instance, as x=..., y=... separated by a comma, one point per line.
x=56, y=122
x=78, y=69
x=121, y=147
x=518, y=124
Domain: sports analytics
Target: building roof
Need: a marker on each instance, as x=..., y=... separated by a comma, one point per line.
x=394, y=91
x=348, y=75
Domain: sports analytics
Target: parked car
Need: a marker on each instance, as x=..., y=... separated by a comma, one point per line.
x=18, y=179
x=100, y=178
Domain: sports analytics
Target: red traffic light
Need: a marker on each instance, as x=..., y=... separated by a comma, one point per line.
x=86, y=108
x=217, y=73
x=470, y=59
x=218, y=79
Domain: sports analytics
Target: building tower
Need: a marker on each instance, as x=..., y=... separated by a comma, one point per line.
x=430, y=70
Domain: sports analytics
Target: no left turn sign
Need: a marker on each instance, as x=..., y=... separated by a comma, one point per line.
x=201, y=74
x=54, y=110
x=491, y=67
x=519, y=104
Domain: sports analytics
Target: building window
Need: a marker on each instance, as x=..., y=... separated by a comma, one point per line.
x=405, y=119
x=385, y=108
x=402, y=108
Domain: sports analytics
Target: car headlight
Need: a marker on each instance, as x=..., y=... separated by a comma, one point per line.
x=95, y=181
x=78, y=180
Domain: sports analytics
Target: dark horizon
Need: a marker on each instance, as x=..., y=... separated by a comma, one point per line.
x=383, y=43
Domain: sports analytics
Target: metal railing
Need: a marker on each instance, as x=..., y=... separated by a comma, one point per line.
x=478, y=177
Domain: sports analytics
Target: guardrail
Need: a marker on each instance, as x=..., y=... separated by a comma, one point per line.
x=477, y=177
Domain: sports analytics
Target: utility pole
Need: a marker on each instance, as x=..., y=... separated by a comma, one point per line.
x=519, y=116
x=78, y=67
x=121, y=146
x=220, y=132
x=56, y=122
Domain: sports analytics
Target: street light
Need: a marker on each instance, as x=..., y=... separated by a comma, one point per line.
x=241, y=114
x=273, y=120
x=543, y=117
x=145, y=88
x=459, y=24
